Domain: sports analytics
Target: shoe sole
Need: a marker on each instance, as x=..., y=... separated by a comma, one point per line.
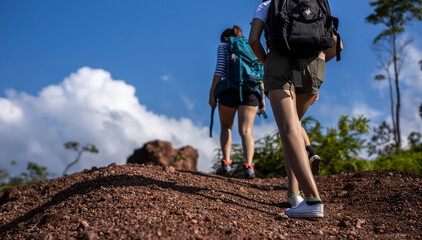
x=305, y=215
x=315, y=164
x=250, y=177
x=291, y=205
x=224, y=174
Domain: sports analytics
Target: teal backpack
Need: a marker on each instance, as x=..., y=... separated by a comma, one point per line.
x=244, y=72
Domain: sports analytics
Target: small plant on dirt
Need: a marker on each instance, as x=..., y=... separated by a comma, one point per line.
x=180, y=157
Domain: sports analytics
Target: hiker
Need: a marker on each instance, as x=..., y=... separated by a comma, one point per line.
x=293, y=74
x=230, y=100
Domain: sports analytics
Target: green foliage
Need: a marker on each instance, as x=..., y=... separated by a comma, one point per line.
x=35, y=173
x=380, y=77
x=4, y=174
x=394, y=14
x=269, y=156
x=388, y=158
x=75, y=146
x=382, y=141
x=338, y=146
x=407, y=161
x=179, y=157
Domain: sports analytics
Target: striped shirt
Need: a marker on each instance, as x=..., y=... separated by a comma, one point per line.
x=223, y=59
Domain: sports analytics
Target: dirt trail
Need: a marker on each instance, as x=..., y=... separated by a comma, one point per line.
x=150, y=202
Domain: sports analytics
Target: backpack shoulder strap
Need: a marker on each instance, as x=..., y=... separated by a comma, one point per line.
x=335, y=22
x=325, y=6
x=232, y=40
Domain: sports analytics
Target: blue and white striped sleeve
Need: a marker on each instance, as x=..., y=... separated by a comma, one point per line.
x=223, y=57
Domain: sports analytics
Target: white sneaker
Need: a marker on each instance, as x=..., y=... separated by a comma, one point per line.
x=294, y=201
x=303, y=210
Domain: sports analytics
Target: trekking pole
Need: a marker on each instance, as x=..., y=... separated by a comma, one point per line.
x=264, y=114
x=212, y=121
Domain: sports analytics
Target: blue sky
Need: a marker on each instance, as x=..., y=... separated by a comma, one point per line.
x=120, y=73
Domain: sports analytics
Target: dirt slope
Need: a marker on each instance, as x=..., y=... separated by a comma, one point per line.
x=146, y=202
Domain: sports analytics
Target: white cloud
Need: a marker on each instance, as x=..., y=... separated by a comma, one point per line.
x=411, y=93
x=332, y=111
x=264, y=129
x=412, y=74
x=363, y=109
x=88, y=107
x=9, y=112
x=190, y=104
x=166, y=78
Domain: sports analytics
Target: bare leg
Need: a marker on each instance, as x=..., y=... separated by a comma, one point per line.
x=305, y=137
x=303, y=103
x=246, y=118
x=283, y=104
x=226, y=121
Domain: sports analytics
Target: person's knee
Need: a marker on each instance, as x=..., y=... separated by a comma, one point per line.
x=245, y=132
x=289, y=132
x=226, y=126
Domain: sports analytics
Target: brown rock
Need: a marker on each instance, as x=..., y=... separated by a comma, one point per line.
x=162, y=153
x=209, y=219
x=281, y=216
x=47, y=236
x=83, y=225
x=89, y=236
x=359, y=223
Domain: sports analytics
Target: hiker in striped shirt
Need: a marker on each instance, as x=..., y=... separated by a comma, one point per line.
x=230, y=102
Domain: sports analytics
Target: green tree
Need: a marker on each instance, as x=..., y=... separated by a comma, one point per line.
x=394, y=15
x=4, y=174
x=75, y=147
x=269, y=157
x=35, y=173
x=381, y=142
x=409, y=160
x=340, y=147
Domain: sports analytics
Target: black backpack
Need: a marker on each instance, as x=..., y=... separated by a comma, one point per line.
x=301, y=28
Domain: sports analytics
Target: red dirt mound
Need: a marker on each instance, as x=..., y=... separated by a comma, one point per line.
x=151, y=202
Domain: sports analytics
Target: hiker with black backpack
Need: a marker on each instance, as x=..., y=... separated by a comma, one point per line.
x=236, y=87
x=297, y=33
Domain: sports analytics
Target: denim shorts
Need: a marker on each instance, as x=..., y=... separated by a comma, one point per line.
x=278, y=74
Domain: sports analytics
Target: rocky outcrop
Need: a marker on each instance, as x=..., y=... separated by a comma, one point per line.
x=163, y=154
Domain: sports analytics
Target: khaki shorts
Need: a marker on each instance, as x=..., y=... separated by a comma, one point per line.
x=278, y=74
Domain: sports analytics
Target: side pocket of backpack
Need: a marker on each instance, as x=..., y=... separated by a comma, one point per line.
x=220, y=88
x=327, y=36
